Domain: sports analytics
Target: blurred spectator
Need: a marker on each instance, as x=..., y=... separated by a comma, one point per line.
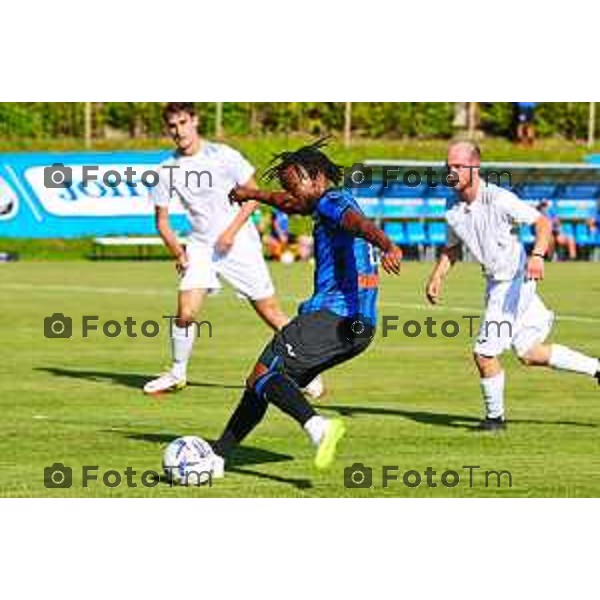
x=277, y=239
x=561, y=240
x=524, y=117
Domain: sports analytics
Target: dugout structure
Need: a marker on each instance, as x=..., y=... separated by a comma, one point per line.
x=411, y=209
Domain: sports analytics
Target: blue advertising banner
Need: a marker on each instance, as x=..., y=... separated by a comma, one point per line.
x=34, y=205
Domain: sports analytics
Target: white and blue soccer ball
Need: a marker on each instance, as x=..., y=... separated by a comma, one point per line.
x=189, y=461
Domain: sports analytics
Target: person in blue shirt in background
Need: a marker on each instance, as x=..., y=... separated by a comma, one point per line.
x=338, y=322
x=278, y=238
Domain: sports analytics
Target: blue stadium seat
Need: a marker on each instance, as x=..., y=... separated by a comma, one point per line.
x=437, y=233
x=415, y=233
x=441, y=191
x=397, y=189
x=403, y=208
x=526, y=235
x=435, y=208
x=580, y=191
x=575, y=209
x=583, y=235
x=537, y=191
x=568, y=229
x=395, y=231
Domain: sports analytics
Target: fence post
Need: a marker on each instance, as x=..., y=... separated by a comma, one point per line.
x=219, y=120
x=87, y=132
x=592, y=125
x=348, y=125
x=471, y=116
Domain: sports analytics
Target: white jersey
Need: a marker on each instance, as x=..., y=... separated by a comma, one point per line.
x=202, y=182
x=489, y=229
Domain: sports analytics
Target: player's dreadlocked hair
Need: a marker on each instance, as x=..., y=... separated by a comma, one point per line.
x=310, y=158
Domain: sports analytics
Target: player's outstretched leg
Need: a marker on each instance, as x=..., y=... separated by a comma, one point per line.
x=562, y=358
x=246, y=417
x=274, y=387
x=325, y=434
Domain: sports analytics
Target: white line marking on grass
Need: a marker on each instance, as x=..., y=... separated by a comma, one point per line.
x=90, y=289
x=470, y=311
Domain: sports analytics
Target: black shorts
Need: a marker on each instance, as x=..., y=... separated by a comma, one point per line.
x=316, y=342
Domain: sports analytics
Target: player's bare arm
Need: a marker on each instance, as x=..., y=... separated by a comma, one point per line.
x=227, y=237
x=359, y=226
x=283, y=201
x=169, y=238
x=448, y=257
x=543, y=239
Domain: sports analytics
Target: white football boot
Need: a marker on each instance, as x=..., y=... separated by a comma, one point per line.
x=164, y=384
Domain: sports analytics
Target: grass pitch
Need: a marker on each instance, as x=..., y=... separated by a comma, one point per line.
x=410, y=403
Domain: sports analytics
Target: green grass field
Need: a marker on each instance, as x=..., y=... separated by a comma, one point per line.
x=408, y=402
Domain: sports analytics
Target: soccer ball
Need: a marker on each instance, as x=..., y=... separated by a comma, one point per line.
x=188, y=461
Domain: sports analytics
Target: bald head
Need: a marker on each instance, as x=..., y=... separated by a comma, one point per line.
x=464, y=159
x=466, y=147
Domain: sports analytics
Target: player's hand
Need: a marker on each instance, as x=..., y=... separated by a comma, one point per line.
x=391, y=261
x=225, y=242
x=433, y=290
x=535, y=268
x=241, y=194
x=181, y=263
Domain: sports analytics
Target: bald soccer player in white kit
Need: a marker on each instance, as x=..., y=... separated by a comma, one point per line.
x=485, y=219
x=224, y=243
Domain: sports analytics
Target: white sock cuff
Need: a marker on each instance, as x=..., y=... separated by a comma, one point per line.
x=315, y=428
x=494, y=381
x=180, y=332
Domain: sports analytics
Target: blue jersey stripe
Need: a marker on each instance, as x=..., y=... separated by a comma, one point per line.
x=341, y=260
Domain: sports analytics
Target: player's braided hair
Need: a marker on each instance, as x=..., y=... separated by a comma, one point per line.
x=309, y=158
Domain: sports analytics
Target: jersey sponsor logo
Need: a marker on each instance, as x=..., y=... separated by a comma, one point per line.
x=290, y=350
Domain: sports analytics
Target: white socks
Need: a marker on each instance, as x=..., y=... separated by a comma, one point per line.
x=565, y=359
x=493, y=395
x=316, y=428
x=182, y=344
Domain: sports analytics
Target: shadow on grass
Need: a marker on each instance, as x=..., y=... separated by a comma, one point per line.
x=130, y=380
x=440, y=419
x=241, y=457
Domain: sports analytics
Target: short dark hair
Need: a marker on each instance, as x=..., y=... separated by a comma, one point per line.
x=310, y=158
x=172, y=108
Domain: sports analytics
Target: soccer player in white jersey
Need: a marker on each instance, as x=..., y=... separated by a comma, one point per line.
x=223, y=242
x=485, y=219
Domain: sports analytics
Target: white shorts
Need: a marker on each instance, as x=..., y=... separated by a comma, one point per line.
x=515, y=316
x=244, y=268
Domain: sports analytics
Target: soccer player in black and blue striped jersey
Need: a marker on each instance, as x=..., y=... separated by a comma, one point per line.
x=338, y=322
